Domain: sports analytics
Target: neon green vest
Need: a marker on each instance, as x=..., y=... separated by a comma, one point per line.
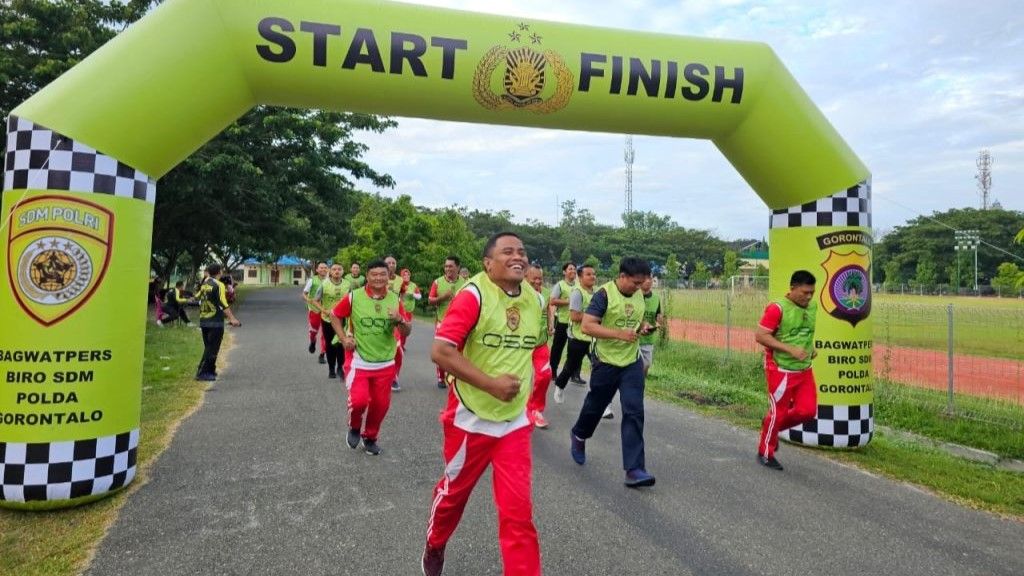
x=545, y=294
x=574, y=327
x=371, y=326
x=395, y=284
x=331, y=294
x=562, y=312
x=355, y=281
x=651, y=316
x=443, y=286
x=796, y=329
x=502, y=342
x=408, y=302
x=313, y=289
x=623, y=313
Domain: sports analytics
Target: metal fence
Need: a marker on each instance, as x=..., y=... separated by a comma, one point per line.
x=961, y=356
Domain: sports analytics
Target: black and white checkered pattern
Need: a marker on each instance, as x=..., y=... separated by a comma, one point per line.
x=837, y=426
x=851, y=207
x=40, y=159
x=65, y=470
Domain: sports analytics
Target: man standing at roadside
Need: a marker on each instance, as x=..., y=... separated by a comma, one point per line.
x=375, y=315
x=213, y=308
x=314, y=314
x=485, y=422
x=786, y=331
x=615, y=318
x=442, y=291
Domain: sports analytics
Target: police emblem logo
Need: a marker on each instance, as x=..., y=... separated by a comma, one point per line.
x=846, y=294
x=58, y=250
x=512, y=318
x=534, y=80
x=629, y=309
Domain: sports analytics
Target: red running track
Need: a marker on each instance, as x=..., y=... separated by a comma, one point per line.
x=974, y=375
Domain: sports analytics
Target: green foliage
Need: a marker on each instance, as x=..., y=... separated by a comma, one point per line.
x=593, y=261
x=1008, y=276
x=731, y=265
x=672, y=269
x=926, y=274
x=700, y=276
x=565, y=256
x=42, y=39
x=934, y=235
x=893, y=273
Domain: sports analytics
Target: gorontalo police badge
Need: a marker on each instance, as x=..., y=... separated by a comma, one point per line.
x=512, y=318
x=58, y=250
x=525, y=79
x=846, y=293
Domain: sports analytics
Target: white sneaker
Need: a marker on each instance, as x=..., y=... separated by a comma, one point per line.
x=608, y=413
x=559, y=395
x=159, y=323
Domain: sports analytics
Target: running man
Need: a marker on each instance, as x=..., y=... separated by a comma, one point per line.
x=314, y=313
x=374, y=314
x=442, y=291
x=394, y=280
x=541, y=354
x=485, y=421
x=615, y=318
x=355, y=276
x=787, y=333
x=560, y=302
x=331, y=291
x=578, y=342
x=409, y=293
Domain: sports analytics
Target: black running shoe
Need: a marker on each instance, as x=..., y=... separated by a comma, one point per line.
x=770, y=462
x=433, y=561
x=371, y=447
x=322, y=360
x=312, y=347
x=352, y=439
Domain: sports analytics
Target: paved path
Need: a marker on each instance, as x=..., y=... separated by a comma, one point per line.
x=259, y=481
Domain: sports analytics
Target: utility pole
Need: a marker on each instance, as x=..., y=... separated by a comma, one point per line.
x=967, y=240
x=629, y=174
x=984, y=177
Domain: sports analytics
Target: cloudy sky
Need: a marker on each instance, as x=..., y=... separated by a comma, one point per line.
x=917, y=88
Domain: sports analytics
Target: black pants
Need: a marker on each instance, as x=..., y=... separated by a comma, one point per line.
x=558, y=344
x=578, y=349
x=335, y=353
x=628, y=381
x=212, y=337
x=176, y=313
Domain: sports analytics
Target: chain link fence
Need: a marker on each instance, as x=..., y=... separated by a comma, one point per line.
x=963, y=357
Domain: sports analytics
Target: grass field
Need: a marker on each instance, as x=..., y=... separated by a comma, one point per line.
x=698, y=378
x=59, y=543
x=981, y=326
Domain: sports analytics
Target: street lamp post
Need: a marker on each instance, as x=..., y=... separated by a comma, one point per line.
x=967, y=240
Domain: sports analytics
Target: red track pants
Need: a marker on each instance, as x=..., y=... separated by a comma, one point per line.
x=314, y=328
x=541, y=380
x=466, y=456
x=792, y=400
x=368, y=391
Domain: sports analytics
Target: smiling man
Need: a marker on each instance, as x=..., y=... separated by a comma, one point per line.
x=486, y=342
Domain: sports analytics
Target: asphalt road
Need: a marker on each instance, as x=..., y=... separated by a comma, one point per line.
x=260, y=481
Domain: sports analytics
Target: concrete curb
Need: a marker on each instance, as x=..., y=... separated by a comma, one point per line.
x=958, y=450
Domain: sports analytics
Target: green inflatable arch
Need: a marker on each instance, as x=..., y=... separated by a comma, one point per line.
x=85, y=152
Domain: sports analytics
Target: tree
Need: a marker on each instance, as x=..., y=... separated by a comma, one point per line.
x=566, y=256
x=671, y=270
x=1008, y=278
x=731, y=265
x=700, y=276
x=594, y=262
x=42, y=39
x=927, y=275
x=892, y=271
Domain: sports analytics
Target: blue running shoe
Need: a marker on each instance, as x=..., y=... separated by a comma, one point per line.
x=639, y=477
x=578, y=448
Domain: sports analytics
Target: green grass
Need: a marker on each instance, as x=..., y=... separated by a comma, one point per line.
x=700, y=378
x=981, y=326
x=59, y=543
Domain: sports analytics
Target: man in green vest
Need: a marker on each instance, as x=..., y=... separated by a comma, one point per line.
x=375, y=317
x=486, y=343
x=653, y=317
x=559, y=303
x=442, y=291
x=578, y=343
x=331, y=291
x=615, y=319
x=394, y=280
x=786, y=331
x=355, y=277
x=314, y=314
x=409, y=293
